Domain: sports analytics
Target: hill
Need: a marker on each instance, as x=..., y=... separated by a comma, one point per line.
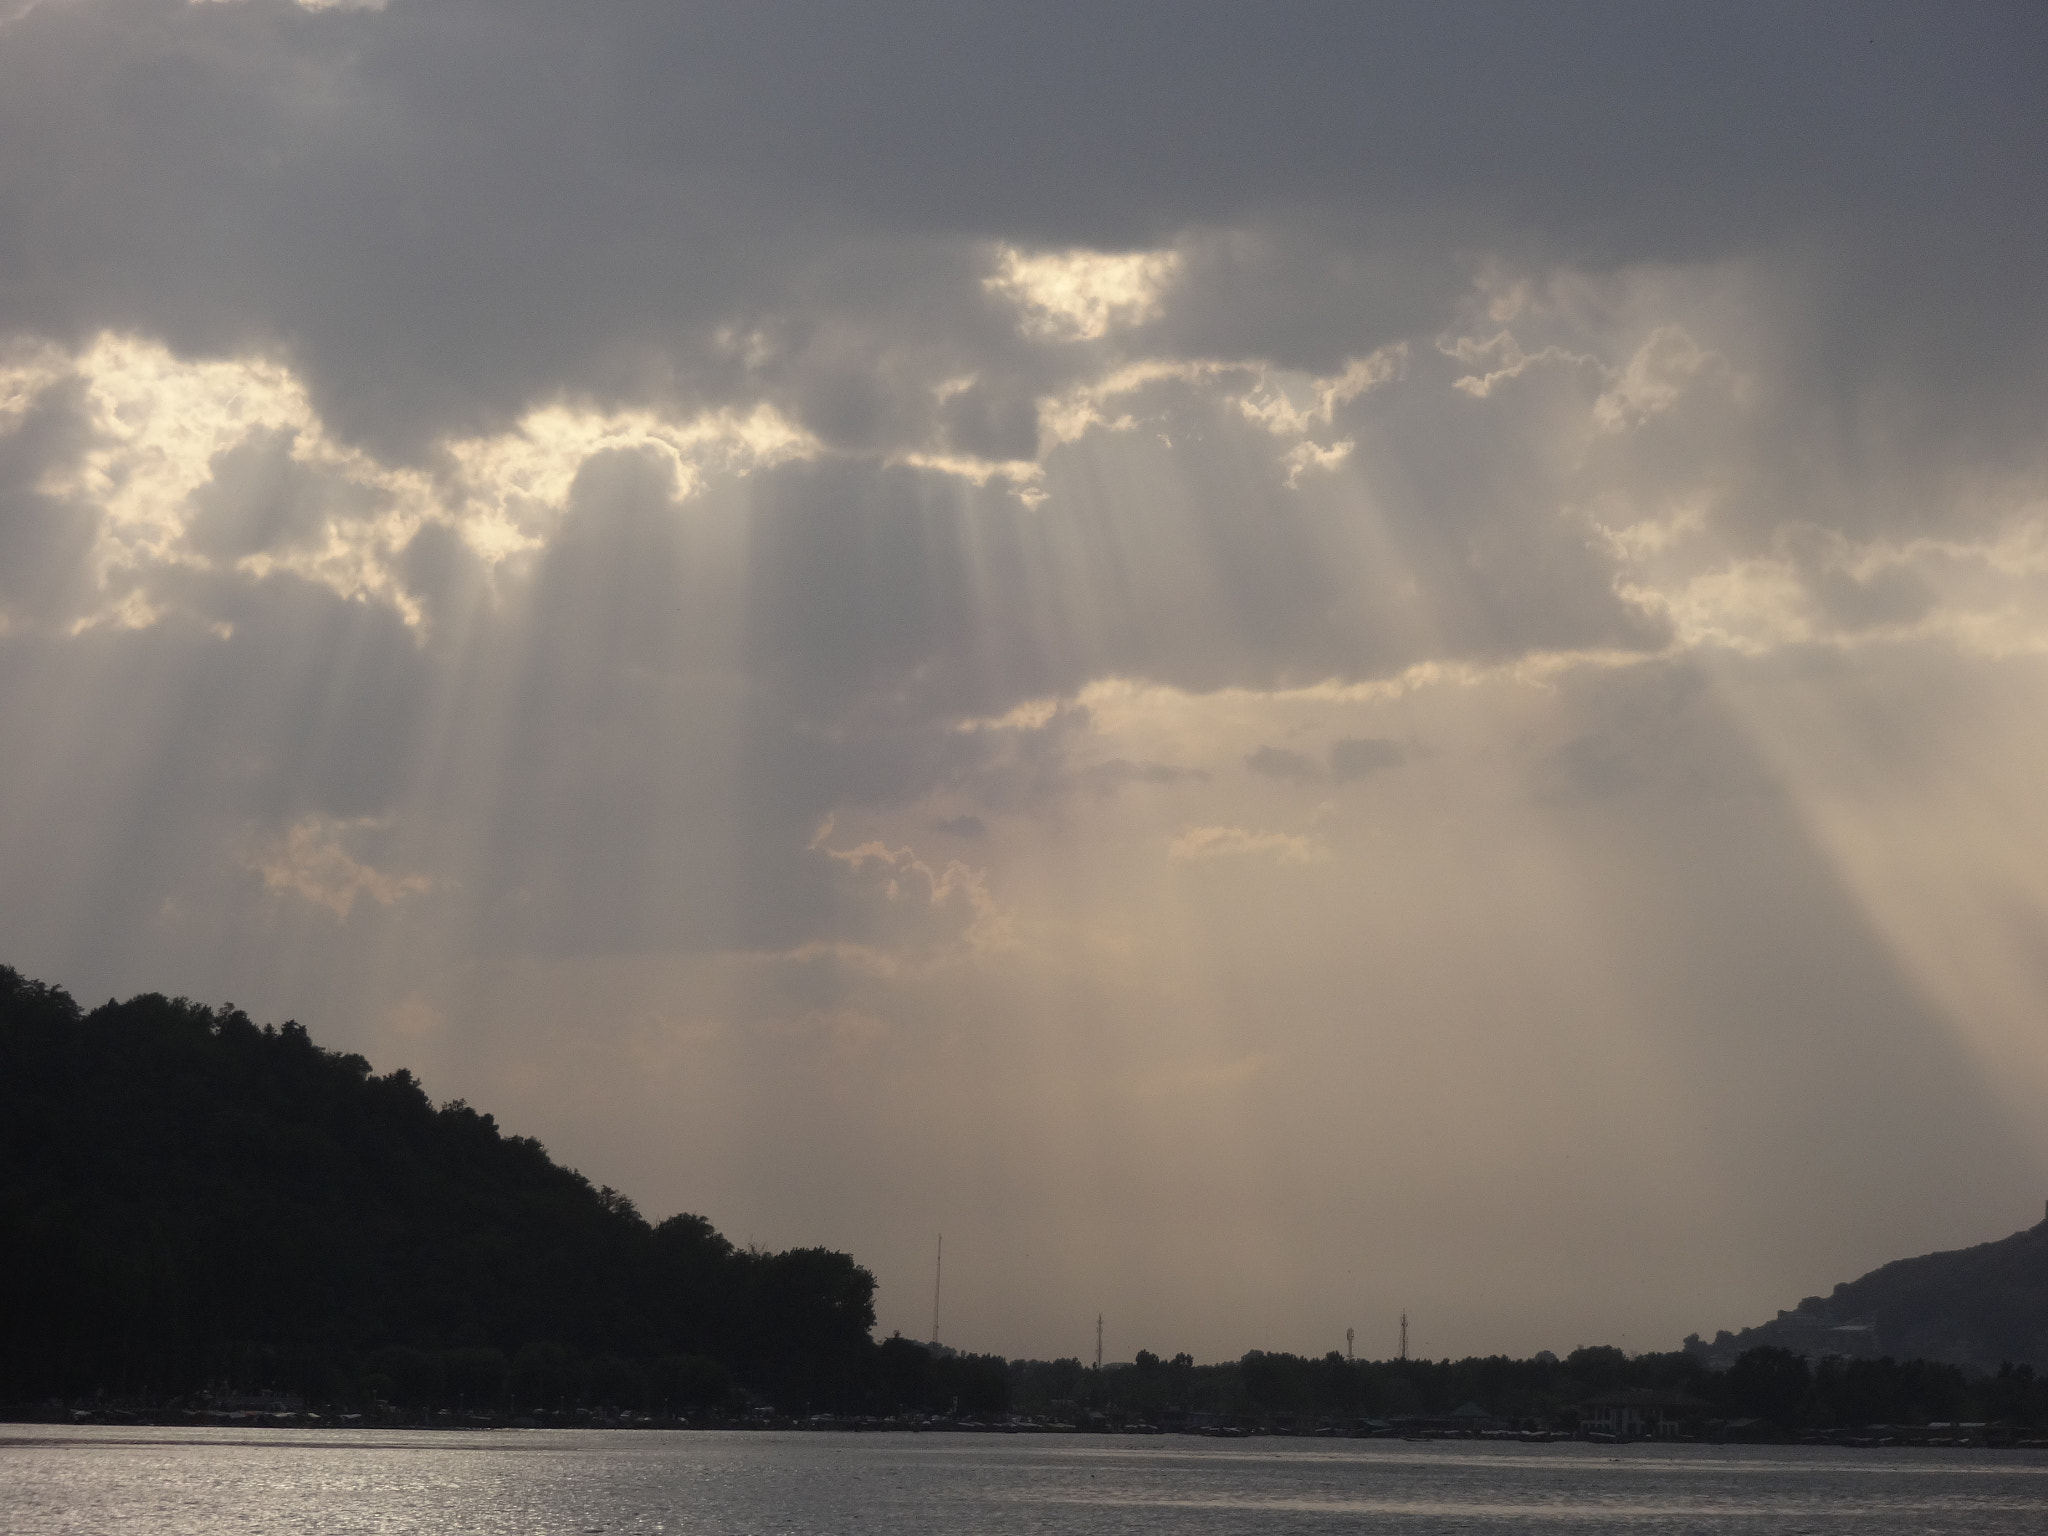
x=1974, y=1307
x=189, y=1199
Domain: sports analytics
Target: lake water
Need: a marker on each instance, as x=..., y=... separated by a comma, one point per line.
x=538, y=1482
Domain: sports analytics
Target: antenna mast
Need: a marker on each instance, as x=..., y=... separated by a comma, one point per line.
x=1404, y=1335
x=938, y=1274
x=1098, y=1341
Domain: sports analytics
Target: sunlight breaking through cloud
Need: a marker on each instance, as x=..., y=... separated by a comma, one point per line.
x=1499, y=659
x=1083, y=295
x=223, y=464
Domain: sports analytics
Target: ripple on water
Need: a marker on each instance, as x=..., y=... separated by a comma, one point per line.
x=205, y=1481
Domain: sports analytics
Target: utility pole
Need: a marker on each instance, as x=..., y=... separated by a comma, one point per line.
x=1404, y=1335
x=1098, y=1341
x=938, y=1274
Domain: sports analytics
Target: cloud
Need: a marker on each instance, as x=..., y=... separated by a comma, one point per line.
x=1350, y=758
x=466, y=522
x=1116, y=772
x=897, y=910
x=311, y=860
x=1043, y=755
x=1273, y=402
x=1499, y=359
x=222, y=465
x=1082, y=295
x=1283, y=763
x=1196, y=844
x=1655, y=377
x=1356, y=756
x=311, y=5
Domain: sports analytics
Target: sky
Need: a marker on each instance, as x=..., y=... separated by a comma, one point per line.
x=1273, y=663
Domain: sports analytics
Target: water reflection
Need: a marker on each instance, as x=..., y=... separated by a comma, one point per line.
x=208, y=1481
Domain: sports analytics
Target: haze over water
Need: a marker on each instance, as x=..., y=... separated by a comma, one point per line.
x=205, y=1482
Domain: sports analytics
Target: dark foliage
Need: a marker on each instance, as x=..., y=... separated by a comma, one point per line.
x=913, y=1378
x=1771, y=1385
x=187, y=1198
x=1860, y=1392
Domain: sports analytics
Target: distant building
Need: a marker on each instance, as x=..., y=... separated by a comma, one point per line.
x=1639, y=1414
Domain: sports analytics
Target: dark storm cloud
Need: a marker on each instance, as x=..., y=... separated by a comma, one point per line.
x=444, y=211
x=449, y=206
x=447, y=210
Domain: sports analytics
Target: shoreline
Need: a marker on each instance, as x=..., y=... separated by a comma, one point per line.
x=1887, y=1437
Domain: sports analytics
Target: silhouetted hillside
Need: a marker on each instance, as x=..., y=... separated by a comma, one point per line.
x=187, y=1198
x=1977, y=1307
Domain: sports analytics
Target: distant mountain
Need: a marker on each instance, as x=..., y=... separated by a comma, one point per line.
x=190, y=1199
x=1975, y=1307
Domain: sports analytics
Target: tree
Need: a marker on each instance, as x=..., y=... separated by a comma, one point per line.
x=548, y=1376
x=409, y=1377
x=476, y=1378
x=1769, y=1383
x=190, y=1198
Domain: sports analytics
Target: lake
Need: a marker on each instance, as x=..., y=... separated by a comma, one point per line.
x=538, y=1482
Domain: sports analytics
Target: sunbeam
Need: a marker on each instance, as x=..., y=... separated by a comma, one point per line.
x=1378, y=707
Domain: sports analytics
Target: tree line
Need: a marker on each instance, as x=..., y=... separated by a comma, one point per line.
x=1767, y=1383
x=188, y=1199
x=1770, y=1384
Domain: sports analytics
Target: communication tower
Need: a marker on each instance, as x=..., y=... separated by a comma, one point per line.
x=1098, y=1341
x=938, y=1274
x=1350, y=1355
x=1404, y=1335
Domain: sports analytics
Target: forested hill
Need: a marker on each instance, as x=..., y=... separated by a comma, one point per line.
x=187, y=1199
x=1975, y=1307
